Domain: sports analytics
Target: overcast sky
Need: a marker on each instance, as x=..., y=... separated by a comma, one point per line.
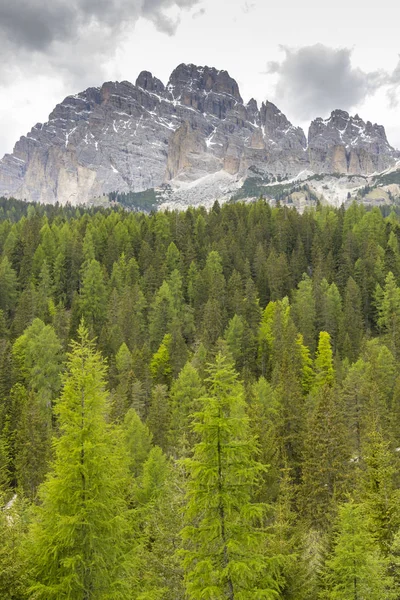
x=306, y=59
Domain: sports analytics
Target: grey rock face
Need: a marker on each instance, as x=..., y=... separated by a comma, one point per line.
x=347, y=144
x=124, y=137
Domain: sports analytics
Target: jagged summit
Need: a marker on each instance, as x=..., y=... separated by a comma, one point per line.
x=195, y=129
x=349, y=130
x=344, y=143
x=205, y=79
x=147, y=81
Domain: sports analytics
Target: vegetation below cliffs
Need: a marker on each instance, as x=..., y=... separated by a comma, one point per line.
x=199, y=404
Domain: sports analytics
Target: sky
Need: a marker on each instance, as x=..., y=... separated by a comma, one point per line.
x=307, y=60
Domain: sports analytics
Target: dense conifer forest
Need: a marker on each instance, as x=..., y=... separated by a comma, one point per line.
x=199, y=405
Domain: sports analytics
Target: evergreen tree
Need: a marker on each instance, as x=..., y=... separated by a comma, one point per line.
x=356, y=569
x=325, y=467
x=185, y=393
x=8, y=286
x=159, y=499
x=158, y=419
x=224, y=556
x=388, y=306
x=324, y=372
x=12, y=534
x=93, y=297
x=79, y=540
x=379, y=496
x=265, y=413
x=160, y=365
x=352, y=325
x=304, y=312
x=137, y=439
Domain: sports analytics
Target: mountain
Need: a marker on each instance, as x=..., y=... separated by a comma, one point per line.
x=194, y=140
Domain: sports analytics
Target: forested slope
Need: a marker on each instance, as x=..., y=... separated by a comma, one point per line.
x=199, y=404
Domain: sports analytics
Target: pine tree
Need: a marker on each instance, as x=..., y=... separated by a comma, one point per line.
x=356, y=569
x=158, y=419
x=265, y=414
x=325, y=467
x=388, y=305
x=12, y=534
x=224, y=559
x=352, y=325
x=378, y=493
x=185, y=393
x=137, y=439
x=8, y=286
x=234, y=339
x=37, y=357
x=333, y=314
x=159, y=498
x=79, y=541
x=160, y=365
x=304, y=312
x=4, y=463
x=93, y=297
x=324, y=372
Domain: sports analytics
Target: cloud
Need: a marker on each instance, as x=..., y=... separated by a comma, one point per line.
x=314, y=80
x=75, y=36
x=248, y=7
x=199, y=13
x=394, y=87
x=35, y=24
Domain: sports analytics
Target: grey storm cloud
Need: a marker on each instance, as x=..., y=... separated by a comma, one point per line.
x=35, y=24
x=74, y=38
x=314, y=80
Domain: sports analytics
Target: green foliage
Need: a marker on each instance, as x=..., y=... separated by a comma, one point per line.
x=8, y=285
x=93, y=296
x=304, y=312
x=380, y=498
x=388, y=306
x=224, y=558
x=305, y=306
x=326, y=458
x=79, y=543
x=12, y=565
x=185, y=393
x=356, y=569
x=324, y=372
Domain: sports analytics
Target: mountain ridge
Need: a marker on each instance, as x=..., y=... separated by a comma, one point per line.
x=133, y=137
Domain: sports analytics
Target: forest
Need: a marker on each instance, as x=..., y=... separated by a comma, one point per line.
x=199, y=405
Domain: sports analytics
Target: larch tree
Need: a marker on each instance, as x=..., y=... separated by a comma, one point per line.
x=223, y=558
x=304, y=311
x=379, y=495
x=79, y=541
x=355, y=570
x=37, y=360
x=324, y=361
x=185, y=393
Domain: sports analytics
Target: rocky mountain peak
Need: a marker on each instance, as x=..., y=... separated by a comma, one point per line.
x=276, y=125
x=148, y=82
x=186, y=78
x=79, y=104
x=348, y=144
x=252, y=106
x=346, y=130
x=253, y=112
x=272, y=118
